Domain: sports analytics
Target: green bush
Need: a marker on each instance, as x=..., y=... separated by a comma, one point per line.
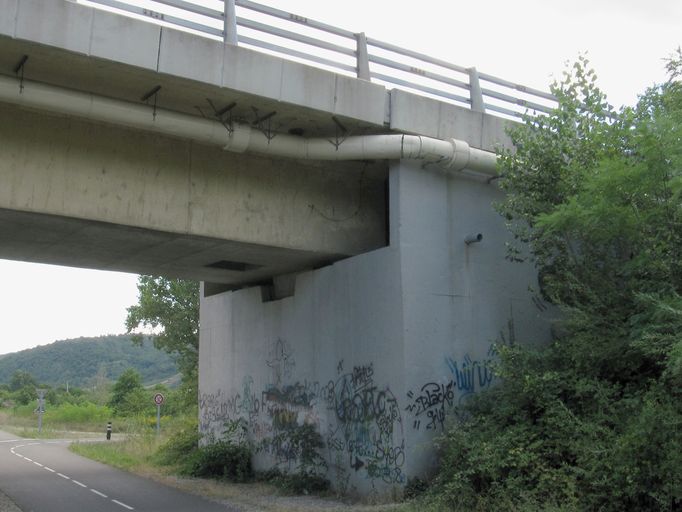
x=415, y=488
x=181, y=447
x=592, y=421
x=222, y=460
x=300, y=482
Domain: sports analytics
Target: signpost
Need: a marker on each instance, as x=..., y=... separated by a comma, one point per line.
x=41, y=408
x=158, y=400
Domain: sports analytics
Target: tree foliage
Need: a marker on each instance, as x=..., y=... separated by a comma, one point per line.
x=127, y=394
x=22, y=379
x=171, y=308
x=593, y=421
x=80, y=362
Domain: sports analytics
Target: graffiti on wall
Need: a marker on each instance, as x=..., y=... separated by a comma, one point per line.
x=281, y=362
x=287, y=412
x=368, y=427
x=430, y=403
x=212, y=411
x=362, y=428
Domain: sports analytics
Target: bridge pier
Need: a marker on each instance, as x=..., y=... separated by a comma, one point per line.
x=375, y=350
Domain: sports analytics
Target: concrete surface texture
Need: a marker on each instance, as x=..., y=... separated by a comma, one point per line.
x=375, y=350
x=97, y=196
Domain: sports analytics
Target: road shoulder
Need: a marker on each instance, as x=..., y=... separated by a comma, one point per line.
x=7, y=505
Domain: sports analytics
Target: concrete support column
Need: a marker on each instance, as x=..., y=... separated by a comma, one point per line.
x=376, y=350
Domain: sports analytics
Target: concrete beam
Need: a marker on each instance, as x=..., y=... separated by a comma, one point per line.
x=78, y=47
x=106, y=185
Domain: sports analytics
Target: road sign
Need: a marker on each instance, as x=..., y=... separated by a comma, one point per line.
x=158, y=400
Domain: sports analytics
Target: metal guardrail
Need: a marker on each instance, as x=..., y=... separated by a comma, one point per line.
x=285, y=34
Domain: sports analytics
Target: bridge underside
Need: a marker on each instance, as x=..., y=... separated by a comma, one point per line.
x=84, y=194
x=82, y=243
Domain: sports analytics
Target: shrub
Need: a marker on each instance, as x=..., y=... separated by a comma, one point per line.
x=181, y=448
x=592, y=421
x=222, y=460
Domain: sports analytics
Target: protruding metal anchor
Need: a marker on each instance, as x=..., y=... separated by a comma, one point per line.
x=19, y=68
x=220, y=115
x=155, y=93
x=264, y=123
x=340, y=133
x=473, y=238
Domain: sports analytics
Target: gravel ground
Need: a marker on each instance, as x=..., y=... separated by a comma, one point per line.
x=7, y=505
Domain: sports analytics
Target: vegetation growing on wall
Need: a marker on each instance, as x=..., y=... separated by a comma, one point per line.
x=593, y=421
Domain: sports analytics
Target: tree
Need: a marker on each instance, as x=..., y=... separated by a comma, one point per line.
x=171, y=307
x=592, y=421
x=21, y=379
x=127, y=394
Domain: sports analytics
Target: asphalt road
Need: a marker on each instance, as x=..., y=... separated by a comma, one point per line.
x=44, y=476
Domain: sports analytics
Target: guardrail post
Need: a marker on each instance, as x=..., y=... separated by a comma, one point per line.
x=475, y=94
x=230, y=23
x=362, y=57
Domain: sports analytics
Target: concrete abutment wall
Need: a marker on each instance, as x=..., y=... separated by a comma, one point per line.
x=375, y=350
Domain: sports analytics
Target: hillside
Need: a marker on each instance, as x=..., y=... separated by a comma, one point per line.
x=80, y=361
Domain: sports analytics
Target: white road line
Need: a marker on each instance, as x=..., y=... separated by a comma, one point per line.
x=123, y=505
x=119, y=503
x=10, y=441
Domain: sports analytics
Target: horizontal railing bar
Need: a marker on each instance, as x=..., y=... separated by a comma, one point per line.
x=215, y=14
x=503, y=110
x=275, y=31
x=515, y=101
x=193, y=8
x=416, y=55
x=417, y=71
x=296, y=53
x=160, y=16
x=264, y=9
x=423, y=88
x=518, y=87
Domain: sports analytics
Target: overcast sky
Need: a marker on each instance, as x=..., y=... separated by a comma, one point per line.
x=525, y=41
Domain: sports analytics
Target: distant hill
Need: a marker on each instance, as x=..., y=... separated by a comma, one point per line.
x=82, y=361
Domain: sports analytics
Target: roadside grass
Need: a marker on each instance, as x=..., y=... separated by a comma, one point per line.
x=131, y=454
x=136, y=454
x=57, y=421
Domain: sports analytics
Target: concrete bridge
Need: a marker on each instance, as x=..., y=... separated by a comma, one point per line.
x=354, y=273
